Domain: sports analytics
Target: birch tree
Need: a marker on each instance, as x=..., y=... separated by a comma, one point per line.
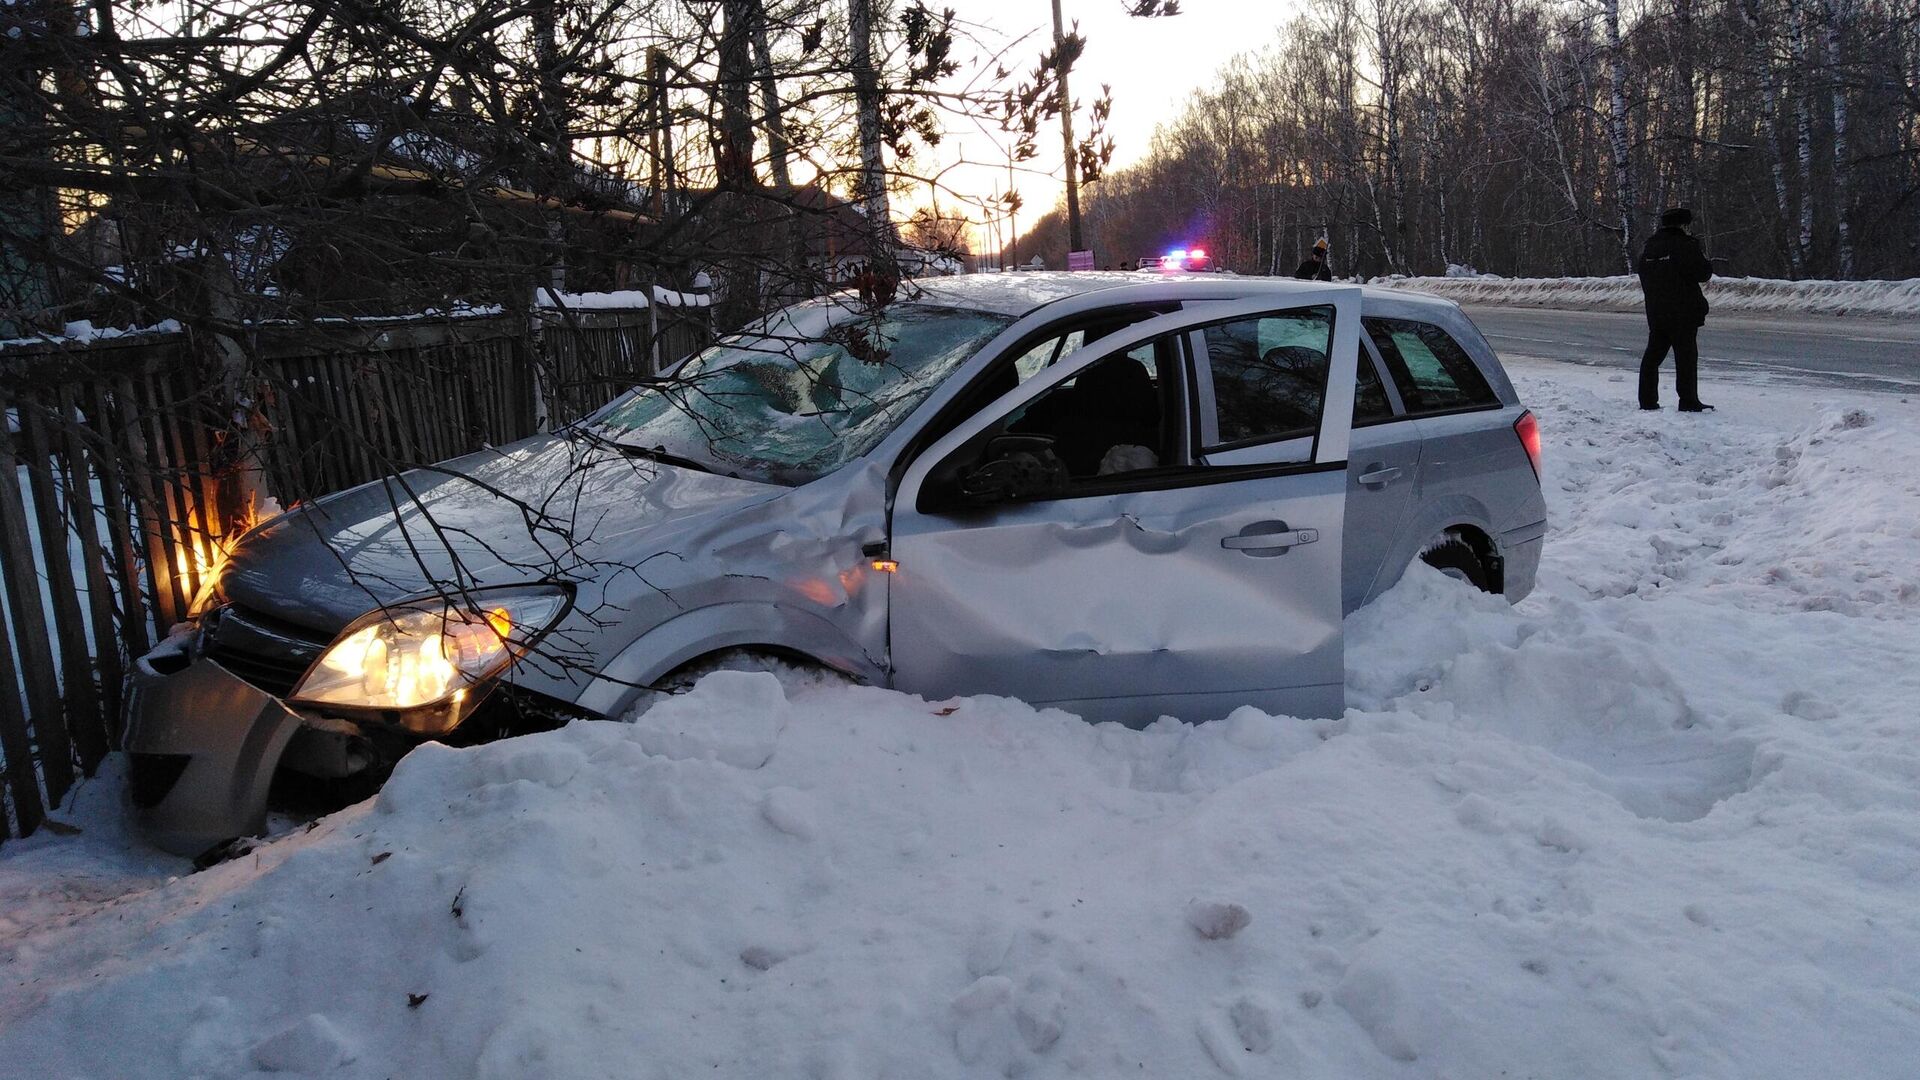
x=1803, y=127
x=1837, y=14
x=1617, y=132
x=1761, y=58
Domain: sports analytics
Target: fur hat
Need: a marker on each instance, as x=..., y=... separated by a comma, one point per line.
x=1676, y=218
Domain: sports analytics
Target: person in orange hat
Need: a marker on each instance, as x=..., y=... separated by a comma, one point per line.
x=1315, y=268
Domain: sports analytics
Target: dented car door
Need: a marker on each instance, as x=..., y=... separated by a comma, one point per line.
x=1188, y=573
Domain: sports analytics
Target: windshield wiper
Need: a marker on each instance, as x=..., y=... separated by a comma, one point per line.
x=651, y=453
x=661, y=455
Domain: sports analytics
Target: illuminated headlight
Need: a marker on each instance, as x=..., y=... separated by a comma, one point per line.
x=432, y=652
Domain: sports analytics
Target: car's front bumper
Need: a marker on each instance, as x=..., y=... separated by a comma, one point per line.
x=202, y=748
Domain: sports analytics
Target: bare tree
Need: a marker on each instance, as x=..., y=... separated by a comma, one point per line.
x=1513, y=134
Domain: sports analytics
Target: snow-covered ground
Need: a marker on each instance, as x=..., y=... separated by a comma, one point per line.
x=1660, y=819
x=1900, y=299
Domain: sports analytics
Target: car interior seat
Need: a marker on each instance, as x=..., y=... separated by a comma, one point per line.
x=1112, y=403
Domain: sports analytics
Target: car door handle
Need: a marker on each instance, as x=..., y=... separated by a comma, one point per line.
x=1380, y=474
x=1269, y=538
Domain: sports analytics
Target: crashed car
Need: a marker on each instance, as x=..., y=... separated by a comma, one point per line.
x=1126, y=499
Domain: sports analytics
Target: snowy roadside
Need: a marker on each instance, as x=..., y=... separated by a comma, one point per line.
x=1893, y=299
x=1662, y=818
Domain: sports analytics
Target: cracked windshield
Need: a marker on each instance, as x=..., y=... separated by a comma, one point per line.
x=816, y=388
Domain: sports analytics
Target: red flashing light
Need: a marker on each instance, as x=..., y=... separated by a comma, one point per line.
x=1529, y=431
x=1196, y=254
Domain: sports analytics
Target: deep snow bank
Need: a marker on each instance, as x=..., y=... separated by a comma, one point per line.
x=1725, y=294
x=1663, y=819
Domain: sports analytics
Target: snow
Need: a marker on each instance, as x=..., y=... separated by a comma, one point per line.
x=623, y=299
x=84, y=332
x=1660, y=819
x=1622, y=293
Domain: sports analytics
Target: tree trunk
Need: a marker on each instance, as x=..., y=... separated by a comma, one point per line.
x=1803, y=125
x=871, y=184
x=545, y=18
x=1617, y=131
x=1839, y=13
x=778, y=147
x=733, y=158
x=1770, y=125
x=1387, y=41
x=1685, y=179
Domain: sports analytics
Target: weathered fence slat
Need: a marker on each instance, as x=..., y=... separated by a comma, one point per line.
x=82, y=515
x=30, y=631
x=18, y=781
x=360, y=413
x=358, y=462
x=409, y=397
x=79, y=714
x=189, y=479
x=121, y=525
x=141, y=410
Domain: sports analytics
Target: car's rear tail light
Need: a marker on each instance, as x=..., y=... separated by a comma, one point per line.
x=1529, y=431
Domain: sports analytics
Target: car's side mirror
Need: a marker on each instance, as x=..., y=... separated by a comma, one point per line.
x=1014, y=467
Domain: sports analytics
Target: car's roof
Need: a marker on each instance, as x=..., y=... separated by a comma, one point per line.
x=1019, y=293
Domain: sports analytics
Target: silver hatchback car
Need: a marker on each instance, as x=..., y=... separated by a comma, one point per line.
x=1124, y=499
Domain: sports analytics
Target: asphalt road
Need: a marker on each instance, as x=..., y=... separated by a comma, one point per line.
x=1860, y=354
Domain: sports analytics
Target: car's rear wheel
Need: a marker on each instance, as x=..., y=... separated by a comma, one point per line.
x=1457, y=559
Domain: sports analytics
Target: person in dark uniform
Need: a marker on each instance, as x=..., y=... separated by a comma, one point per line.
x=1672, y=267
x=1315, y=268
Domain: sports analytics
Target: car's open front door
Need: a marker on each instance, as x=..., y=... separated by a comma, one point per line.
x=1151, y=527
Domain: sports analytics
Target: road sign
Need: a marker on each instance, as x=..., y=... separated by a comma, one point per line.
x=1079, y=260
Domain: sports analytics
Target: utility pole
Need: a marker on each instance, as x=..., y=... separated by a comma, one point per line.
x=1066, y=134
x=1013, y=220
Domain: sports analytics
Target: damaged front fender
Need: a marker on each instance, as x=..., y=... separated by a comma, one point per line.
x=716, y=629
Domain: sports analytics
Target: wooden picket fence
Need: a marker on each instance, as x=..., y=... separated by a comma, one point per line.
x=124, y=451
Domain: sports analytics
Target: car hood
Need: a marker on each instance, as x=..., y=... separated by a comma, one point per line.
x=546, y=509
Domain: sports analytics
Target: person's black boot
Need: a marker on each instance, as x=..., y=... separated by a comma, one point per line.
x=1695, y=406
x=1644, y=407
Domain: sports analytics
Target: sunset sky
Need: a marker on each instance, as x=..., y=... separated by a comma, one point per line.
x=1151, y=64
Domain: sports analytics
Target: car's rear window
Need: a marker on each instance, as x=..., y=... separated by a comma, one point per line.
x=1433, y=372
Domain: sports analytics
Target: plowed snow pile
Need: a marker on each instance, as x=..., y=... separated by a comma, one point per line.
x=1662, y=819
x=1897, y=299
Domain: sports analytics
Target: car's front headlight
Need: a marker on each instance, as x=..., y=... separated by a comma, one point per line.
x=415, y=657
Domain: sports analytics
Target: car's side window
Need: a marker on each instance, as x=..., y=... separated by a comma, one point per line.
x=1118, y=421
x=1433, y=372
x=1113, y=417
x=1046, y=354
x=1269, y=375
x=1370, y=405
x=1051, y=349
